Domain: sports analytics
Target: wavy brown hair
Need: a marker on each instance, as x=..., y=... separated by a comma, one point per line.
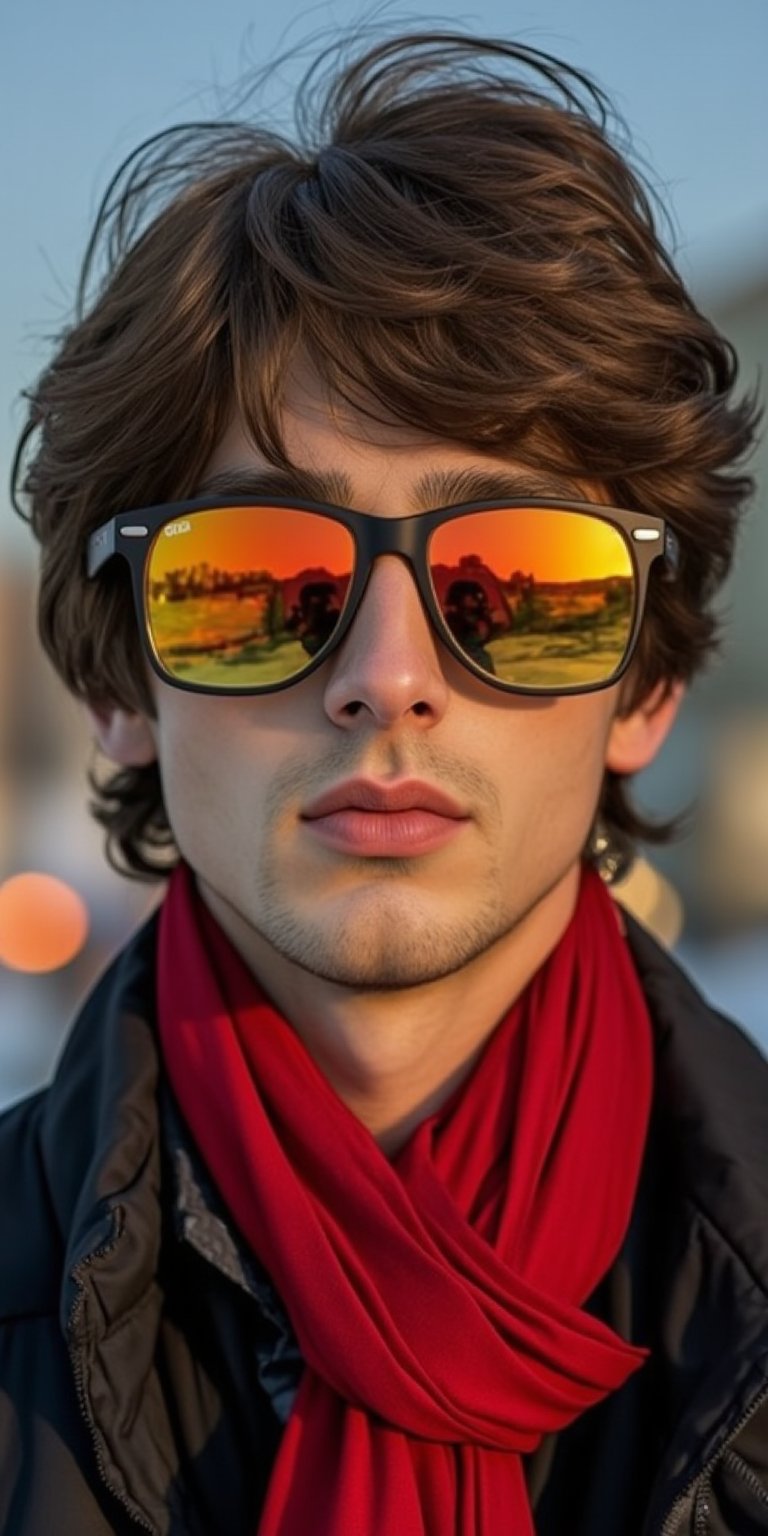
x=453, y=240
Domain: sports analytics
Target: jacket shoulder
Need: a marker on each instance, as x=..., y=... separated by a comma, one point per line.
x=53, y=1144
x=32, y=1243
x=712, y=1093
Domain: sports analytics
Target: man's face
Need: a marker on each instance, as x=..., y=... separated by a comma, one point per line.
x=390, y=704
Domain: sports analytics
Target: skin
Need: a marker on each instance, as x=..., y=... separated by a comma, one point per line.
x=393, y=971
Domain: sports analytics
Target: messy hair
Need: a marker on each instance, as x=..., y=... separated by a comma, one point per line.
x=452, y=239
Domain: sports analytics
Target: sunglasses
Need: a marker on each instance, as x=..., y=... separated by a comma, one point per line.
x=249, y=595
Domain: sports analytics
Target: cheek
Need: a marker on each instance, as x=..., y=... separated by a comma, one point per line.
x=556, y=761
x=204, y=775
x=573, y=752
x=220, y=760
x=578, y=741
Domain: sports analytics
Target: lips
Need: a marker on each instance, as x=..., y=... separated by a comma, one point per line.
x=371, y=820
x=366, y=795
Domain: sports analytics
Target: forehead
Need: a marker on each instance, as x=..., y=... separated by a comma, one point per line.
x=340, y=455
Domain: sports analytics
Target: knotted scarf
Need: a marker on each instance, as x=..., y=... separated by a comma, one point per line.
x=436, y=1297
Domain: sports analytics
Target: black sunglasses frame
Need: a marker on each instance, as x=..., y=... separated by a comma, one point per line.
x=130, y=535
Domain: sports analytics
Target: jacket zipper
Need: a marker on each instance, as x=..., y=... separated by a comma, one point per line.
x=704, y=1475
x=746, y=1474
x=701, y=1505
x=98, y=1253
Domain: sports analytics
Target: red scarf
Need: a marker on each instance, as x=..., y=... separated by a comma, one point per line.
x=436, y=1298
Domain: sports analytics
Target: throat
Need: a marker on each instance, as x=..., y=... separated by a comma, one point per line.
x=393, y=1116
x=395, y=1061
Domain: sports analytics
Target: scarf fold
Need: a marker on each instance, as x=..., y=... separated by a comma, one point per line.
x=437, y=1298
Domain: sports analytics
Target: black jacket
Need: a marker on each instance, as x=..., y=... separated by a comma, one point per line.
x=146, y=1366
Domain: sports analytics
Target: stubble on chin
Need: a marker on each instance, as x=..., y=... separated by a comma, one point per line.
x=385, y=937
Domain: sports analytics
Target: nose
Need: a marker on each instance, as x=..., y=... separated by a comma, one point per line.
x=387, y=670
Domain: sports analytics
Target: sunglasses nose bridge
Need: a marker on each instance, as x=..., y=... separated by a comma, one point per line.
x=401, y=536
x=390, y=536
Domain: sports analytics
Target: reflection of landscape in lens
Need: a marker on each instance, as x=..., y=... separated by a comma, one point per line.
x=244, y=607
x=544, y=599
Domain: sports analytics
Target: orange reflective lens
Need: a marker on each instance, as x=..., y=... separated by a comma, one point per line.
x=247, y=596
x=240, y=597
x=537, y=597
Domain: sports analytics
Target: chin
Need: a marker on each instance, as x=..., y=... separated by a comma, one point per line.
x=383, y=945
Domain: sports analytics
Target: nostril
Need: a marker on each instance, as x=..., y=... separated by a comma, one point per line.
x=421, y=707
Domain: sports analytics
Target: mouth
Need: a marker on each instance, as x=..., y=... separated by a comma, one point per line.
x=376, y=820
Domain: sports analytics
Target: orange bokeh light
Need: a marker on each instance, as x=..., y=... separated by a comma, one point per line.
x=43, y=923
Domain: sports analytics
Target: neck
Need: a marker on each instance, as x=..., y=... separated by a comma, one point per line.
x=394, y=1057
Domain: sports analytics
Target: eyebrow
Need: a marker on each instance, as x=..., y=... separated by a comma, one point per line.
x=436, y=488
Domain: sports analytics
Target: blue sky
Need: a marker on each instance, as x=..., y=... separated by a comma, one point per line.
x=82, y=81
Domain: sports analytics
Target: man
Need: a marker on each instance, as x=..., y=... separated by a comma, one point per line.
x=391, y=1181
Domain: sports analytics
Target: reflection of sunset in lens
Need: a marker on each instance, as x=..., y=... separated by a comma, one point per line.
x=536, y=597
x=241, y=597
x=239, y=540
x=554, y=546
x=43, y=923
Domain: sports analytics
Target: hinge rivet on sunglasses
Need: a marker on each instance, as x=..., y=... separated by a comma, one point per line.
x=645, y=535
x=134, y=533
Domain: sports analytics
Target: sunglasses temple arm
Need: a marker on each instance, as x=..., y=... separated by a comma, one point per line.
x=671, y=552
x=101, y=545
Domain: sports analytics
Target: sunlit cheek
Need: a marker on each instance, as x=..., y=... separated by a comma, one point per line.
x=556, y=771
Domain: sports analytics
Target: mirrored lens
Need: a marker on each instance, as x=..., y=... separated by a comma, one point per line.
x=537, y=597
x=240, y=597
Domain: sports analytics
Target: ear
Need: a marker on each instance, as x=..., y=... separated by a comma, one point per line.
x=635, y=738
x=124, y=737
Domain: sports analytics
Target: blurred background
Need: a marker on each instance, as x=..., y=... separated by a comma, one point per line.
x=81, y=84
